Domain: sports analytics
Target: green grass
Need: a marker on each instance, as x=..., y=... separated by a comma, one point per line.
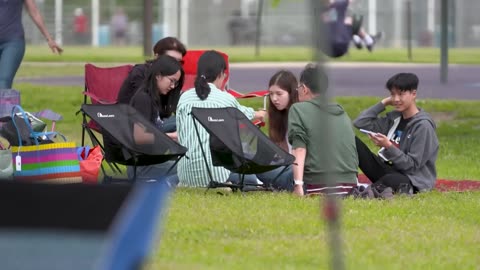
x=458, y=123
x=247, y=54
x=279, y=231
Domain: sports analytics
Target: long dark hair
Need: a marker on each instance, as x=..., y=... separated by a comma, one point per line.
x=278, y=120
x=164, y=65
x=210, y=65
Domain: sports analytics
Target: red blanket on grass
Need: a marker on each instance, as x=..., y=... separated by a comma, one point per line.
x=442, y=185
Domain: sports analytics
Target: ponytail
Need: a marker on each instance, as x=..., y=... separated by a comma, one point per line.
x=210, y=66
x=201, y=87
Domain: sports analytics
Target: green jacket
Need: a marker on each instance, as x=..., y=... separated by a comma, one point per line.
x=306, y=123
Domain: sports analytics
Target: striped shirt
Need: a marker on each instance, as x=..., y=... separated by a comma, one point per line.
x=191, y=170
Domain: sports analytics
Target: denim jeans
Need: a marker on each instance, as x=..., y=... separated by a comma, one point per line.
x=278, y=178
x=11, y=55
x=156, y=172
x=169, y=124
x=248, y=179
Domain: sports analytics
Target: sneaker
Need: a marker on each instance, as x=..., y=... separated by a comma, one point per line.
x=387, y=194
x=357, y=41
x=375, y=38
x=361, y=192
x=380, y=191
x=405, y=189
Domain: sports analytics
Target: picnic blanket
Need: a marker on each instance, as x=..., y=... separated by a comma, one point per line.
x=442, y=185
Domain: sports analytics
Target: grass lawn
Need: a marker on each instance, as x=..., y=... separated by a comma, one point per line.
x=280, y=231
x=39, y=53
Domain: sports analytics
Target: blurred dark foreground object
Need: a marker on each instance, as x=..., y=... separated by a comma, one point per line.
x=78, y=226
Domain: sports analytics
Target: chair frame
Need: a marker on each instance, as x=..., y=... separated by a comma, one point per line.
x=96, y=99
x=241, y=186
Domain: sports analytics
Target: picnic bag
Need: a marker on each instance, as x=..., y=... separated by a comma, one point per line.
x=54, y=162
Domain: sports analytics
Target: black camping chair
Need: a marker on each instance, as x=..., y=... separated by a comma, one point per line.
x=238, y=145
x=130, y=139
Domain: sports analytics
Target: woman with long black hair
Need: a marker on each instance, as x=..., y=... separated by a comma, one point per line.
x=206, y=94
x=157, y=101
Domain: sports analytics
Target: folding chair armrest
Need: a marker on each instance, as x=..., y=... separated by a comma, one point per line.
x=99, y=100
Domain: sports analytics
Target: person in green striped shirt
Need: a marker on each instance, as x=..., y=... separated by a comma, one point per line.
x=192, y=171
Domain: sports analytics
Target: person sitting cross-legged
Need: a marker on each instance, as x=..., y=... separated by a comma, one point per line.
x=306, y=134
x=406, y=137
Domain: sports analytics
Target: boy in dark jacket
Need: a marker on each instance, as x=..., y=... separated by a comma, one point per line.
x=406, y=137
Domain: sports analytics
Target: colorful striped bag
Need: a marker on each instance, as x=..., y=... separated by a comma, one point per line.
x=46, y=161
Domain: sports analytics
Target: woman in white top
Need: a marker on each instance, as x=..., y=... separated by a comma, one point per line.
x=192, y=171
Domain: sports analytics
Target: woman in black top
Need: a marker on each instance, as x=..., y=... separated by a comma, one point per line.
x=157, y=101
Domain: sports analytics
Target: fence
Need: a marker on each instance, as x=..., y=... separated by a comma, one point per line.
x=233, y=22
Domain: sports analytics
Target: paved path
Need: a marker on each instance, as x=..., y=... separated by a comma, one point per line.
x=347, y=79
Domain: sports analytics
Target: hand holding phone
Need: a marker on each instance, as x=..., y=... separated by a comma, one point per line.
x=368, y=132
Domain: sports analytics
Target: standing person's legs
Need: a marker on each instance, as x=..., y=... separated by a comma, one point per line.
x=11, y=56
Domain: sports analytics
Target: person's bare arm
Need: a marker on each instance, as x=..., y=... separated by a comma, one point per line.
x=173, y=136
x=260, y=115
x=299, y=154
x=38, y=20
x=141, y=136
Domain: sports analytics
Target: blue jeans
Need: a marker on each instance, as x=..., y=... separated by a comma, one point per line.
x=169, y=124
x=11, y=56
x=248, y=179
x=278, y=179
x=156, y=172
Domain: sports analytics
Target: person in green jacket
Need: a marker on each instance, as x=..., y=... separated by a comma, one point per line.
x=308, y=139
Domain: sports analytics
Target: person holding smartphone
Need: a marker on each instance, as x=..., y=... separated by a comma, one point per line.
x=406, y=137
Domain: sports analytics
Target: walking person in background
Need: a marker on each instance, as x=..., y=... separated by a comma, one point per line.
x=342, y=29
x=12, y=37
x=119, y=24
x=80, y=26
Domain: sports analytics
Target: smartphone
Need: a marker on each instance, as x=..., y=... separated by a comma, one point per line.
x=368, y=132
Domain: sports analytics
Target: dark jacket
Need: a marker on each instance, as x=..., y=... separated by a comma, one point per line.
x=132, y=83
x=418, y=150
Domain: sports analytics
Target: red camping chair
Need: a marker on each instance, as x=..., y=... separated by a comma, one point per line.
x=190, y=68
x=102, y=85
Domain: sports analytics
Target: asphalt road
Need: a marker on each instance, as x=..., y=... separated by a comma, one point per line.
x=346, y=79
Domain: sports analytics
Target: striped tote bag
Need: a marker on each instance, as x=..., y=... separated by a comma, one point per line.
x=47, y=163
